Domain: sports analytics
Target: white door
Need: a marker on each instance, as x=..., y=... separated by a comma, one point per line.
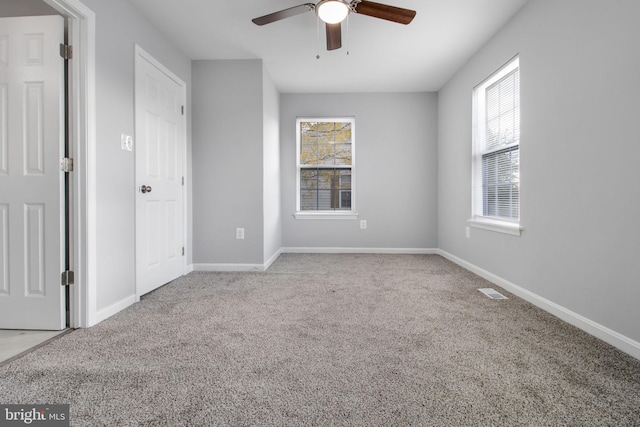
x=31, y=183
x=159, y=174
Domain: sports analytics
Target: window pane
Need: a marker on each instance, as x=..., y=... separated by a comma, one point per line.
x=325, y=189
x=503, y=112
x=501, y=183
x=345, y=199
x=342, y=154
x=325, y=143
x=309, y=144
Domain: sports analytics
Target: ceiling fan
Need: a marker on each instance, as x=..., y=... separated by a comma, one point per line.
x=333, y=12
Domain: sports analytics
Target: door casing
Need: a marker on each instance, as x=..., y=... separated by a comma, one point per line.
x=82, y=136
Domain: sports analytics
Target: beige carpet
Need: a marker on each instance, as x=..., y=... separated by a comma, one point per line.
x=371, y=340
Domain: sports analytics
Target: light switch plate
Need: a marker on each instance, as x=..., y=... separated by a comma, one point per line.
x=126, y=142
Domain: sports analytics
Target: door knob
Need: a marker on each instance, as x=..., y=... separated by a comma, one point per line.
x=145, y=189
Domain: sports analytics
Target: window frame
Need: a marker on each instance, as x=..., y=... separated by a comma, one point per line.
x=478, y=218
x=334, y=213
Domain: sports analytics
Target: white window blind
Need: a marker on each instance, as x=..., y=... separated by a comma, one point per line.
x=497, y=145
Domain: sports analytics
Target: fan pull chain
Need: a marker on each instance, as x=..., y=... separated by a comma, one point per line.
x=348, y=38
x=317, y=37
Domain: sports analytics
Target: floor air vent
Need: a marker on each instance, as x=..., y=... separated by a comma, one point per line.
x=492, y=293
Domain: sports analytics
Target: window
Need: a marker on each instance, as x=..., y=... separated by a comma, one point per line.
x=325, y=161
x=496, y=151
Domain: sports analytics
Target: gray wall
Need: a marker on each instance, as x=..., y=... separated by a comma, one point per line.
x=228, y=127
x=118, y=27
x=580, y=88
x=396, y=171
x=10, y=8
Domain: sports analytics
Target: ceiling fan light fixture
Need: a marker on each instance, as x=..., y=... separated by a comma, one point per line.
x=332, y=11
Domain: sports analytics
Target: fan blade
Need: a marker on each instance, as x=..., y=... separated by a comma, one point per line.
x=285, y=13
x=384, y=11
x=334, y=36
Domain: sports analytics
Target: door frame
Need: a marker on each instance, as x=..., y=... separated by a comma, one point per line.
x=141, y=54
x=82, y=137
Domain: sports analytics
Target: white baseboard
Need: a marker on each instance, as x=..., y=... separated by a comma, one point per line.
x=187, y=269
x=324, y=250
x=607, y=335
x=228, y=267
x=271, y=260
x=222, y=267
x=215, y=267
x=107, y=312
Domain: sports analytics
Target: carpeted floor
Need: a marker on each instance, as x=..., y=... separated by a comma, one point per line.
x=321, y=340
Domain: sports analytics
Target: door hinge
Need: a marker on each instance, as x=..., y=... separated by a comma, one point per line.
x=182, y=109
x=67, y=278
x=183, y=251
x=183, y=180
x=66, y=164
x=66, y=51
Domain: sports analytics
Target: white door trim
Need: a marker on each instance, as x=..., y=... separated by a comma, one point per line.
x=82, y=71
x=140, y=52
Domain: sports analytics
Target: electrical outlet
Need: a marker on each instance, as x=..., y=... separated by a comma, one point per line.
x=240, y=233
x=363, y=224
x=467, y=232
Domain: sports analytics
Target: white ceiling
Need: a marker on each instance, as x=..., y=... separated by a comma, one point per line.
x=382, y=56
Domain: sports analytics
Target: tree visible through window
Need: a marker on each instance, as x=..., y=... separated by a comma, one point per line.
x=325, y=164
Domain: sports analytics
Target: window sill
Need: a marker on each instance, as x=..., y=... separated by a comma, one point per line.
x=496, y=225
x=325, y=215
